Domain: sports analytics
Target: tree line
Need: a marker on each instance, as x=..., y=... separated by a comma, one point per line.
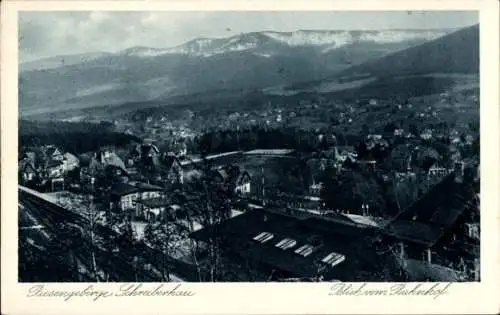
x=71, y=137
x=218, y=141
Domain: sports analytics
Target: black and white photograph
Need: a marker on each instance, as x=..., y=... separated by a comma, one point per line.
x=261, y=146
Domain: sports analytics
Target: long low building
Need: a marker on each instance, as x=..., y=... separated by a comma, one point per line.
x=290, y=247
x=271, y=152
x=442, y=227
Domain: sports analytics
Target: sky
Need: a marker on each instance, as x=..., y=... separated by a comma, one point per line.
x=48, y=34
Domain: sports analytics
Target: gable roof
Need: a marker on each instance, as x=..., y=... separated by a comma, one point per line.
x=122, y=189
x=242, y=176
x=222, y=173
x=71, y=158
x=26, y=165
x=148, y=187
x=51, y=150
x=146, y=148
x=169, y=159
x=115, y=160
x=239, y=233
x=426, y=220
x=27, y=155
x=442, y=205
x=233, y=175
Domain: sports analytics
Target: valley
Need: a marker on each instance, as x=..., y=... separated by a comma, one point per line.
x=263, y=156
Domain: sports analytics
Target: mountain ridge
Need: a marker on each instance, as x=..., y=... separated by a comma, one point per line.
x=252, y=62
x=301, y=38
x=455, y=52
x=224, y=40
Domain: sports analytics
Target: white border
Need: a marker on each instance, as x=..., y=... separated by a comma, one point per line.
x=273, y=298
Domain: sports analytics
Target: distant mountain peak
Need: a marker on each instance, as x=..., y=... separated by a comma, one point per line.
x=266, y=41
x=59, y=60
x=244, y=62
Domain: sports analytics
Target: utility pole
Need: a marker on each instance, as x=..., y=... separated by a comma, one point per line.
x=238, y=136
x=263, y=187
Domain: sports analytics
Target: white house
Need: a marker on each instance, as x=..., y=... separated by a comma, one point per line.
x=124, y=196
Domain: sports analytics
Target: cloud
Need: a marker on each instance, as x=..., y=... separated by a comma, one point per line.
x=44, y=34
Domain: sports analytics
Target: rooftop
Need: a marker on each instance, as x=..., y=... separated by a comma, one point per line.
x=122, y=189
x=270, y=152
x=209, y=157
x=285, y=247
x=429, y=217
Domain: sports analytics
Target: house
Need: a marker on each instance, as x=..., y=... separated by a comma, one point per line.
x=441, y=227
x=375, y=140
x=233, y=175
x=375, y=137
x=109, y=158
x=27, y=171
x=456, y=140
x=134, y=155
x=344, y=153
x=103, y=165
x=284, y=247
x=315, y=189
x=469, y=139
x=180, y=148
x=173, y=168
x=243, y=183
x=87, y=173
x=142, y=153
x=53, y=174
x=157, y=209
x=125, y=196
x=147, y=151
x=28, y=155
x=53, y=153
x=437, y=171
x=70, y=162
x=399, y=132
x=116, y=173
x=55, y=169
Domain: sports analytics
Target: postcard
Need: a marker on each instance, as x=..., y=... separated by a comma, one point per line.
x=250, y=157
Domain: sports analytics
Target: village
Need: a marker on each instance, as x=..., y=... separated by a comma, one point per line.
x=287, y=215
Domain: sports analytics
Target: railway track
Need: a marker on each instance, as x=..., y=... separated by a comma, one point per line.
x=53, y=216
